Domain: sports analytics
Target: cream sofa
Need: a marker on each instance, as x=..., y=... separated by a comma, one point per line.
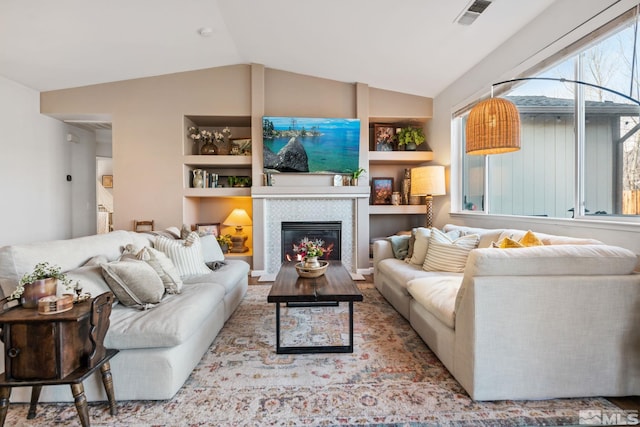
x=559, y=320
x=159, y=347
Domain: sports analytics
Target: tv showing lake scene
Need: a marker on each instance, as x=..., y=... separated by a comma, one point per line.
x=313, y=145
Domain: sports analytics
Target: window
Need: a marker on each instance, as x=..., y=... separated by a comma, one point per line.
x=580, y=145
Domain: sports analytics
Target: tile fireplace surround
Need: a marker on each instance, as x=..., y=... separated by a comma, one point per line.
x=275, y=205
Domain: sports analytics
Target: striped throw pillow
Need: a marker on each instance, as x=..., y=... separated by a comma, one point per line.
x=185, y=254
x=445, y=254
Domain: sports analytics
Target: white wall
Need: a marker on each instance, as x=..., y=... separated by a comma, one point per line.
x=34, y=163
x=547, y=34
x=38, y=203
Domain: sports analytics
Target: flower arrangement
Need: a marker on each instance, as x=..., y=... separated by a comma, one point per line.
x=42, y=270
x=309, y=248
x=207, y=136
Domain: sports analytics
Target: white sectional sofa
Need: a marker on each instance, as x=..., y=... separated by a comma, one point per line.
x=160, y=346
x=559, y=320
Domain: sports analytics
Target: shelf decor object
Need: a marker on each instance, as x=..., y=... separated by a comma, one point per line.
x=238, y=218
x=428, y=181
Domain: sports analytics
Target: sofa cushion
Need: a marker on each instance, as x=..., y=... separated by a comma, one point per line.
x=437, y=294
x=487, y=235
x=228, y=275
x=90, y=279
x=185, y=254
x=134, y=283
x=170, y=323
x=401, y=272
x=446, y=254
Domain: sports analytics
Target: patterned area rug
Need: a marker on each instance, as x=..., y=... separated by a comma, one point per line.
x=392, y=378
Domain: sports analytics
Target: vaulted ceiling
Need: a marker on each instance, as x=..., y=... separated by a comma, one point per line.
x=412, y=46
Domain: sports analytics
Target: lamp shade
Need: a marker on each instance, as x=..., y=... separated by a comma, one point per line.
x=238, y=218
x=493, y=127
x=427, y=180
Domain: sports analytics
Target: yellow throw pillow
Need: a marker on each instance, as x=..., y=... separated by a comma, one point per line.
x=509, y=243
x=530, y=239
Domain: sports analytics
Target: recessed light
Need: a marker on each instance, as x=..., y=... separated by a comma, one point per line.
x=205, y=31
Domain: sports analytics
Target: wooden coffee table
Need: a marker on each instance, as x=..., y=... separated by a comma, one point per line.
x=332, y=288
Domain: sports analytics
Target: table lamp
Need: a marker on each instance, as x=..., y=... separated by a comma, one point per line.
x=428, y=181
x=238, y=218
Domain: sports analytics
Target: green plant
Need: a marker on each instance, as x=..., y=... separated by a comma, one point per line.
x=224, y=239
x=410, y=134
x=42, y=270
x=358, y=173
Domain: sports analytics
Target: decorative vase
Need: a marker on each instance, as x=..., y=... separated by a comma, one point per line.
x=311, y=262
x=410, y=146
x=208, y=149
x=198, y=179
x=224, y=248
x=36, y=290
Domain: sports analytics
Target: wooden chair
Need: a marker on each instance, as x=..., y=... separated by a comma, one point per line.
x=143, y=225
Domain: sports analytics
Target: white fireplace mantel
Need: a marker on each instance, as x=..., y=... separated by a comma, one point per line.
x=276, y=204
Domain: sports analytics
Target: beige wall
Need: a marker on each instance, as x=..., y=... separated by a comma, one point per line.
x=147, y=118
x=148, y=132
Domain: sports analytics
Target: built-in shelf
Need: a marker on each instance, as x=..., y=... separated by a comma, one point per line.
x=217, y=192
x=239, y=254
x=399, y=157
x=308, y=192
x=397, y=210
x=218, y=161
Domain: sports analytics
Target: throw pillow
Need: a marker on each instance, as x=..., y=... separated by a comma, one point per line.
x=211, y=250
x=164, y=267
x=420, y=245
x=446, y=254
x=185, y=254
x=399, y=246
x=135, y=283
x=529, y=239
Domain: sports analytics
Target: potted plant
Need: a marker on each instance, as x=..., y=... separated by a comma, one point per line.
x=224, y=240
x=355, y=175
x=41, y=282
x=410, y=137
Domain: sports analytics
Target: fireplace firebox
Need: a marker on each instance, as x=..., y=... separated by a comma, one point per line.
x=330, y=232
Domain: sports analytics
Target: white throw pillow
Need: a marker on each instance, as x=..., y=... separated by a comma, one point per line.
x=164, y=267
x=211, y=250
x=420, y=245
x=446, y=254
x=185, y=254
x=135, y=283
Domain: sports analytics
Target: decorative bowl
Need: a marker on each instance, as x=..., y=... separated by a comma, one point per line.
x=311, y=272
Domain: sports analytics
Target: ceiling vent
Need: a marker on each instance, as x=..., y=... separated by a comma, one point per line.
x=472, y=11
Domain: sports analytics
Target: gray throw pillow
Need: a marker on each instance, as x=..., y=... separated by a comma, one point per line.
x=135, y=283
x=400, y=246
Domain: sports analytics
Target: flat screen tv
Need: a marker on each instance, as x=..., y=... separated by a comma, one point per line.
x=312, y=145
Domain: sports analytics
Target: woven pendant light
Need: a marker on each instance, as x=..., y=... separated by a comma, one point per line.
x=493, y=127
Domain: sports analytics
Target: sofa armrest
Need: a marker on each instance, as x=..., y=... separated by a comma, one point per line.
x=568, y=335
x=381, y=250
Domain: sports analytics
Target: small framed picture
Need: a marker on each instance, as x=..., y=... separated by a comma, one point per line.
x=382, y=188
x=210, y=228
x=107, y=181
x=384, y=137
